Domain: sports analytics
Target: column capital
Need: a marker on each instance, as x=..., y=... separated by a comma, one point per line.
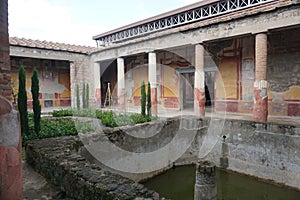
x=262, y=33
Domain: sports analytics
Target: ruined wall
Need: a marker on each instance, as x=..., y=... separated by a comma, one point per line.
x=264, y=150
x=58, y=161
x=5, y=88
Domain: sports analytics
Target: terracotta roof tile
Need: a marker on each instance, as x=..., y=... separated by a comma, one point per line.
x=15, y=41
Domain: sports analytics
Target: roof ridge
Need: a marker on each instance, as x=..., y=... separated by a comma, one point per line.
x=44, y=44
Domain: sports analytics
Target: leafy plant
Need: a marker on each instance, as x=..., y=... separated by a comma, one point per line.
x=62, y=113
x=22, y=101
x=143, y=99
x=35, y=90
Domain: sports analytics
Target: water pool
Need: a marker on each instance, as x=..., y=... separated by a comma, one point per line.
x=178, y=184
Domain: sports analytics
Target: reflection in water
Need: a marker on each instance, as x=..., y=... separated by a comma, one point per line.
x=178, y=184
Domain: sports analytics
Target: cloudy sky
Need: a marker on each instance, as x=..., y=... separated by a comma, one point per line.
x=76, y=21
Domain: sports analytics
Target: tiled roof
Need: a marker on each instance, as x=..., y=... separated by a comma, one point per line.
x=15, y=41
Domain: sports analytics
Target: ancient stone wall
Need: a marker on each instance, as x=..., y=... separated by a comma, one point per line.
x=5, y=89
x=57, y=159
x=264, y=150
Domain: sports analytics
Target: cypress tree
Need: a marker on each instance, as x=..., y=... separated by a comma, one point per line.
x=143, y=99
x=22, y=101
x=83, y=96
x=77, y=97
x=35, y=90
x=87, y=95
x=149, y=101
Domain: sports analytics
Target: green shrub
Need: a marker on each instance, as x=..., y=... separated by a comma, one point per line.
x=137, y=118
x=108, y=119
x=56, y=127
x=62, y=113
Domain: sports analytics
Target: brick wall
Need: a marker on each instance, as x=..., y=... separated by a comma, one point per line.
x=5, y=89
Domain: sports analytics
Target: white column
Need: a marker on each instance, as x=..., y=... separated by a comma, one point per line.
x=152, y=79
x=97, y=84
x=199, y=88
x=121, y=83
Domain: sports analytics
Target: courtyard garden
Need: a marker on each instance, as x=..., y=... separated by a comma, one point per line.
x=66, y=122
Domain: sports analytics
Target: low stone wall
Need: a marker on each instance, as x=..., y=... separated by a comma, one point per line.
x=264, y=150
x=57, y=159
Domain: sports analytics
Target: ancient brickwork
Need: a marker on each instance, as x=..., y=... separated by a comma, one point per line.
x=5, y=89
x=10, y=135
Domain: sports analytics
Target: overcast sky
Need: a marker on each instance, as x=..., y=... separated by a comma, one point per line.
x=76, y=21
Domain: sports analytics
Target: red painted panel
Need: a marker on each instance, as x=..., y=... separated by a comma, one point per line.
x=66, y=102
x=137, y=101
x=171, y=102
x=226, y=106
x=294, y=109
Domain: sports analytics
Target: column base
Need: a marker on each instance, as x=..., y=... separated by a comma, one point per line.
x=121, y=99
x=260, y=108
x=199, y=102
x=154, y=101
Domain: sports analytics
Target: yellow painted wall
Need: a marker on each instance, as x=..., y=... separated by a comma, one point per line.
x=15, y=83
x=226, y=81
x=65, y=80
x=293, y=93
x=170, y=82
x=139, y=75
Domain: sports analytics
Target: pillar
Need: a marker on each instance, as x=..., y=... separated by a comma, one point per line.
x=224, y=154
x=199, y=86
x=205, y=186
x=10, y=135
x=97, y=84
x=121, y=83
x=153, y=82
x=260, y=108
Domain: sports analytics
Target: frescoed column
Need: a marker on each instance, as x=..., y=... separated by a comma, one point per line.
x=153, y=82
x=121, y=83
x=199, y=90
x=260, y=108
x=97, y=84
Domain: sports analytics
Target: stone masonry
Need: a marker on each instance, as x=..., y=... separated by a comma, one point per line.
x=10, y=135
x=57, y=159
